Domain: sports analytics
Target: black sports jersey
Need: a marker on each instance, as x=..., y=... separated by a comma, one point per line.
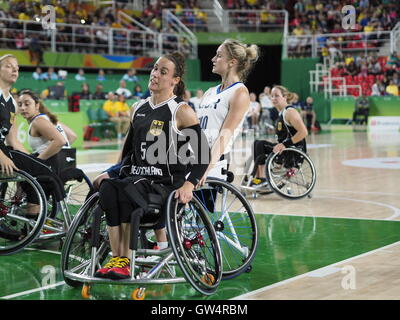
x=7, y=114
x=157, y=145
x=283, y=130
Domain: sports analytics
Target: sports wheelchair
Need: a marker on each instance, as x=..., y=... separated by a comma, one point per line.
x=212, y=237
x=291, y=174
x=58, y=197
x=193, y=247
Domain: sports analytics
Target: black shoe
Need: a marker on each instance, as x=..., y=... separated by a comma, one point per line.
x=8, y=233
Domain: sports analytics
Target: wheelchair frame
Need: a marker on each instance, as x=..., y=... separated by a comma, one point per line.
x=232, y=241
x=46, y=226
x=179, y=253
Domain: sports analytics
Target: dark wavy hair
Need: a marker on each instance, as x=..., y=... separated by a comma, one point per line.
x=178, y=60
x=42, y=109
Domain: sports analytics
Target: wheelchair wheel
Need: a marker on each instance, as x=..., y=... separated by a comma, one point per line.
x=194, y=243
x=77, y=188
x=16, y=230
x=76, y=254
x=234, y=222
x=291, y=174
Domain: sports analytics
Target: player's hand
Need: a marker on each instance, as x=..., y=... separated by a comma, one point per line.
x=7, y=165
x=185, y=193
x=279, y=148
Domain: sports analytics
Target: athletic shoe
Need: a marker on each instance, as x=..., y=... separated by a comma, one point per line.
x=120, y=270
x=103, y=272
x=151, y=258
x=48, y=231
x=257, y=181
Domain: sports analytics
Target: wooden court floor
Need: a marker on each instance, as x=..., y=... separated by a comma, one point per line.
x=342, y=243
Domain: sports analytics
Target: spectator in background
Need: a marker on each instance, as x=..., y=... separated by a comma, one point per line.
x=38, y=74
x=131, y=76
x=361, y=109
x=56, y=92
x=393, y=60
x=307, y=112
x=377, y=88
x=253, y=115
x=186, y=97
x=196, y=100
x=118, y=112
x=80, y=76
x=390, y=72
x=99, y=94
x=296, y=103
x=392, y=89
x=385, y=81
x=50, y=74
x=35, y=50
x=62, y=74
x=267, y=106
x=352, y=69
x=85, y=93
x=137, y=92
x=375, y=67
x=396, y=79
x=101, y=75
x=123, y=90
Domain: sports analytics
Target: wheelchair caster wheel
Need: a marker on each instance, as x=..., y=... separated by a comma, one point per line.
x=208, y=279
x=85, y=291
x=249, y=268
x=309, y=196
x=138, y=294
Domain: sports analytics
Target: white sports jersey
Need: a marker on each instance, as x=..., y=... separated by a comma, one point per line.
x=212, y=111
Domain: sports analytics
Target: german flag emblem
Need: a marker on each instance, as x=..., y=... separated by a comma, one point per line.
x=156, y=127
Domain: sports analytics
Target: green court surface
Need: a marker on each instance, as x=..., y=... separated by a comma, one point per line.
x=288, y=246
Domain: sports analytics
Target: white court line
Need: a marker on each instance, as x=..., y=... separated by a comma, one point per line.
x=281, y=283
x=23, y=293
x=360, y=192
x=395, y=209
x=50, y=286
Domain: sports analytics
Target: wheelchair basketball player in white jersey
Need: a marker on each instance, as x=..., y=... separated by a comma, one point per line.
x=223, y=108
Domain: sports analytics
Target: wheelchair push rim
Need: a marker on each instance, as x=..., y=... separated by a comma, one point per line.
x=234, y=221
x=291, y=174
x=18, y=231
x=194, y=243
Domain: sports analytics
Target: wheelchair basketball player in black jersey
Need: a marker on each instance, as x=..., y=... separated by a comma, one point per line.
x=290, y=129
x=163, y=119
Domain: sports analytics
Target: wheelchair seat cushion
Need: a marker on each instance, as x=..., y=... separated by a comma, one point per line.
x=146, y=194
x=71, y=174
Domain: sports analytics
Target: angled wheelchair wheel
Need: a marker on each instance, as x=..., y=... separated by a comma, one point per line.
x=77, y=188
x=194, y=243
x=291, y=174
x=234, y=222
x=76, y=256
x=16, y=230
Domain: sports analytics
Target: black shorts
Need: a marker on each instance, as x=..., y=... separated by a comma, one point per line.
x=119, y=204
